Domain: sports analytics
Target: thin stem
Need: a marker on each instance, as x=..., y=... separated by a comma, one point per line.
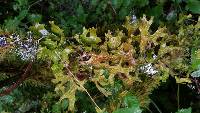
x=148, y=109
x=112, y=8
x=34, y=3
x=178, y=99
x=82, y=87
x=180, y=8
x=78, y=82
x=156, y=106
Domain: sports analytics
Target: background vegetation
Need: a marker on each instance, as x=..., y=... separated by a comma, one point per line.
x=101, y=56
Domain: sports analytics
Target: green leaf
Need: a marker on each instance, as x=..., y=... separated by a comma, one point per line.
x=7, y=99
x=127, y=3
x=156, y=11
x=106, y=73
x=57, y=68
x=20, y=5
x=177, y=1
x=81, y=14
x=22, y=14
x=12, y=24
x=193, y=6
x=171, y=15
x=195, y=60
x=182, y=80
x=188, y=110
x=56, y=108
x=65, y=104
x=140, y=3
x=1, y=108
x=94, y=3
x=43, y=53
x=56, y=29
x=131, y=101
x=196, y=74
x=123, y=13
x=117, y=3
x=36, y=28
x=131, y=105
x=50, y=44
x=114, y=41
x=92, y=39
x=35, y=18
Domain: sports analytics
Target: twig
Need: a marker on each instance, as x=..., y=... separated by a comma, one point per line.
x=82, y=87
x=78, y=82
x=156, y=106
x=34, y=3
x=148, y=109
x=112, y=8
x=16, y=84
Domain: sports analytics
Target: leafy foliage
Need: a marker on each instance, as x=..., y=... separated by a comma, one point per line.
x=116, y=55
x=193, y=6
x=189, y=110
x=72, y=16
x=131, y=105
x=107, y=68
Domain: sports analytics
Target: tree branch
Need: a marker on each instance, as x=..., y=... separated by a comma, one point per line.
x=18, y=82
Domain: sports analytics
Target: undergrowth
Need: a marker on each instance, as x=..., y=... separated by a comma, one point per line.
x=115, y=72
